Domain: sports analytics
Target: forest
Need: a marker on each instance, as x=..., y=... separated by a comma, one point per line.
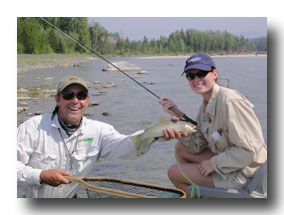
x=34, y=36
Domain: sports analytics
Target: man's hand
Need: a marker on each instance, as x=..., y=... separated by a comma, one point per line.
x=205, y=168
x=54, y=177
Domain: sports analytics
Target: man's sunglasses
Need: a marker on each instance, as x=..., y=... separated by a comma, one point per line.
x=68, y=95
x=199, y=74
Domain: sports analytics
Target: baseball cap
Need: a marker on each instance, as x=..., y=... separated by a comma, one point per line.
x=199, y=61
x=65, y=82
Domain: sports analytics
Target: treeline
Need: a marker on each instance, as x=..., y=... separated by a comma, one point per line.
x=260, y=43
x=34, y=36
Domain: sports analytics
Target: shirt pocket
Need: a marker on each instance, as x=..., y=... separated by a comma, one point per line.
x=85, y=153
x=204, y=126
x=220, y=145
x=40, y=161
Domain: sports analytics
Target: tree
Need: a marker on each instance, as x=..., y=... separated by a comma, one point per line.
x=220, y=42
x=53, y=40
x=80, y=28
x=145, y=45
x=28, y=36
x=35, y=36
x=120, y=46
x=99, y=38
x=228, y=42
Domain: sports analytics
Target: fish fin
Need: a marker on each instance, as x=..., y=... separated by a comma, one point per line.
x=136, y=140
x=163, y=119
x=143, y=145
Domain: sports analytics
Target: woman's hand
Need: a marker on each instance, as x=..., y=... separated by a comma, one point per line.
x=167, y=104
x=172, y=133
x=205, y=168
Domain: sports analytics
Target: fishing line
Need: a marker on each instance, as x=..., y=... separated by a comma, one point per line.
x=225, y=79
x=95, y=54
x=142, y=91
x=194, y=186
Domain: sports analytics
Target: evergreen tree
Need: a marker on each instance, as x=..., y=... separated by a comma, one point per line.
x=28, y=36
x=34, y=36
x=53, y=40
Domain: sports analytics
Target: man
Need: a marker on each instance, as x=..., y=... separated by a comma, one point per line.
x=51, y=146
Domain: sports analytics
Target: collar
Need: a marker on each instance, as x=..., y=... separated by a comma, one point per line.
x=55, y=123
x=210, y=110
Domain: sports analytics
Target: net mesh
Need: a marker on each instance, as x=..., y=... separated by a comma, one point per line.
x=140, y=189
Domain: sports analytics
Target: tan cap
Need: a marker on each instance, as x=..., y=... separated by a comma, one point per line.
x=65, y=82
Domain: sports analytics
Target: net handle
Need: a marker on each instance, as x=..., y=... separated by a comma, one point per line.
x=183, y=194
x=104, y=190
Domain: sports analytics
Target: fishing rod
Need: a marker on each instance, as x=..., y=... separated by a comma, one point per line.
x=94, y=54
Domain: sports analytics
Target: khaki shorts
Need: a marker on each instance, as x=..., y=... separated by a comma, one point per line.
x=233, y=180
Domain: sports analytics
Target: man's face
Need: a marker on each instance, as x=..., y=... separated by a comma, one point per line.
x=71, y=111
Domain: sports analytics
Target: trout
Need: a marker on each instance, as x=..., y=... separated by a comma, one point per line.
x=151, y=134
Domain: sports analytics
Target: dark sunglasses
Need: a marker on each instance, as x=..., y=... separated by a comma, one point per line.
x=68, y=95
x=199, y=74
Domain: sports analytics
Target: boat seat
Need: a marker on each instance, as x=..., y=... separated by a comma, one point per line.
x=256, y=188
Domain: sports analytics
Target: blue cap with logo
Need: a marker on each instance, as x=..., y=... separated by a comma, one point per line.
x=199, y=61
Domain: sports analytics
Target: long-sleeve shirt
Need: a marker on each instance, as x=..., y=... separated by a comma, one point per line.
x=239, y=143
x=43, y=145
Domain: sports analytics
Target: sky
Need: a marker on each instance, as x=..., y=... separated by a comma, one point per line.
x=135, y=28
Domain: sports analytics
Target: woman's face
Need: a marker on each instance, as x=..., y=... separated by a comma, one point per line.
x=202, y=85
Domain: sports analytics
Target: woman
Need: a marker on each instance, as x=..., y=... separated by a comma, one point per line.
x=229, y=146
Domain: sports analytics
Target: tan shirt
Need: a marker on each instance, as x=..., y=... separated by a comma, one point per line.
x=239, y=143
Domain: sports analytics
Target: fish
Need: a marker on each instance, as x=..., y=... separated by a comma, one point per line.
x=144, y=140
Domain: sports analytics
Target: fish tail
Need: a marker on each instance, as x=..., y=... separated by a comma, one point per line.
x=143, y=144
x=136, y=140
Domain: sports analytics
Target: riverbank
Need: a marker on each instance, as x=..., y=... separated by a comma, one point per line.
x=221, y=54
x=28, y=62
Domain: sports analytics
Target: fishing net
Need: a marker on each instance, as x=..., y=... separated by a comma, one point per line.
x=122, y=189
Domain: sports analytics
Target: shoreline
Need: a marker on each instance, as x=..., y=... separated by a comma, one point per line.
x=30, y=62
x=213, y=56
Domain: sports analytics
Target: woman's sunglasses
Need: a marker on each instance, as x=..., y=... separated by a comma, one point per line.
x=199, y=74
x=68, y=95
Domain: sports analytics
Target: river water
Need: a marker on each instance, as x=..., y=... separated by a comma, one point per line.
x=132, y=108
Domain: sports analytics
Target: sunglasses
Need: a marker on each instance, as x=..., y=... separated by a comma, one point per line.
x=199, y=74
x=68, y=95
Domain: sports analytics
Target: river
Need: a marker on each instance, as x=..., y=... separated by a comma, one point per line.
x=132, y=109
